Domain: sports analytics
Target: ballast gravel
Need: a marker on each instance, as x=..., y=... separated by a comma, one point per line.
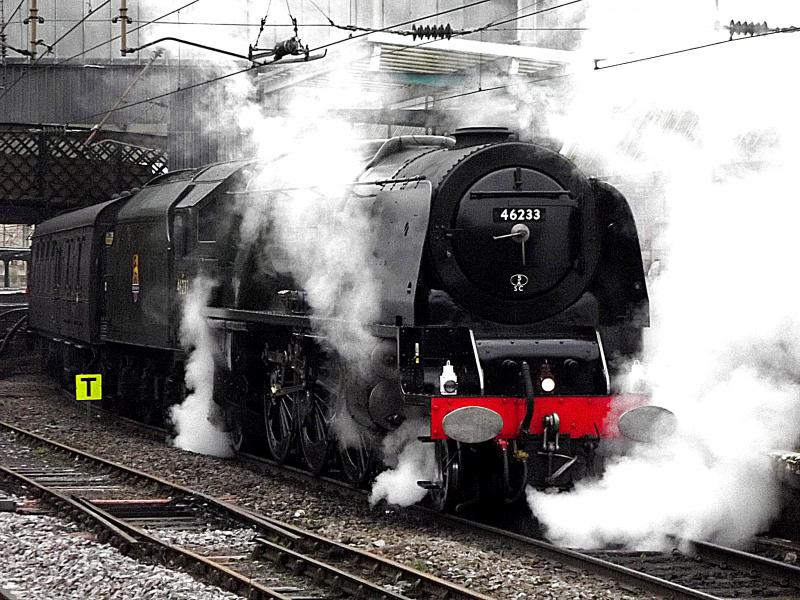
x=231, y=540
x=477, y=561
x=43, y=557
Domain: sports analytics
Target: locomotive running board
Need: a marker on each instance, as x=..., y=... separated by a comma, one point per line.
x=237, y=319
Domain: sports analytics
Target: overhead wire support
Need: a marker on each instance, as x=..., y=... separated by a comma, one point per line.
x=263, y=23
x=108, y=41
x=124, y=20
x=135, y=29
x=745, y=28
x=290, y=47
x=441, y=31
x=49, y=49
x=250, y=68
x=33, y=20
x=316, y=49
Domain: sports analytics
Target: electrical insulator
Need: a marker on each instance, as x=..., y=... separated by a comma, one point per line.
x=428, y=32
x=745, y=28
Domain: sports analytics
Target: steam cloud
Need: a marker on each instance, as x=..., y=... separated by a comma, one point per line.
x=409, y=461
x=316, y=227
x=195, y=430
x=717, y=131
x=723, y=351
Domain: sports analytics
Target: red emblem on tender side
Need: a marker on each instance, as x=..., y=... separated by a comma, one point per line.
x=135, y=277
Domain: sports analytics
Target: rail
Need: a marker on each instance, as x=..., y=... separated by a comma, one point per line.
x=633, y=568
x=84, y=484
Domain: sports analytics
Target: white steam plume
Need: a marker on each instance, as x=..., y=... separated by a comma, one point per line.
x=318, y=230
x=195, y=431
x=409, y=461
x=718, y=127
x=314, y=228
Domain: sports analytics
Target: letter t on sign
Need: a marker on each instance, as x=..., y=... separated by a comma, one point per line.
x=89, y=387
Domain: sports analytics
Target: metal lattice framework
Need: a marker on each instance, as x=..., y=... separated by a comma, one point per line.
x=46, y=171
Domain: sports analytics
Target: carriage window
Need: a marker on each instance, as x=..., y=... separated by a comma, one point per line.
x=59, y=266
x=67, y=280
x=207, y=223
x=78, y=266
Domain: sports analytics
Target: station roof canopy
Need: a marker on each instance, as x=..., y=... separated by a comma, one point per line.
x=405, y=70
x=399, y=53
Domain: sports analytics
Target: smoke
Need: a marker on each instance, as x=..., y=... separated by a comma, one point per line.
x=718, y=129
x=192, y=418
x=313, y=226
x=409, y=460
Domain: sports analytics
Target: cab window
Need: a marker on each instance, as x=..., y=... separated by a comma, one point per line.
x=207, y=223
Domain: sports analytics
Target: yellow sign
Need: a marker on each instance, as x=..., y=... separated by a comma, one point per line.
x=89, y=387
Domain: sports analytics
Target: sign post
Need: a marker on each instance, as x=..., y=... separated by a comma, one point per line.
x=89, y=387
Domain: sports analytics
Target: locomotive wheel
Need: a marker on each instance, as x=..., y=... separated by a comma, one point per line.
x=175, y=393
x=236, y=435
x=315, y=435
x=279, y=419
x=237, y=387
x=356, y=457
x=445, y=495
x=144, y=406
x=315, y=443
x=357, y=462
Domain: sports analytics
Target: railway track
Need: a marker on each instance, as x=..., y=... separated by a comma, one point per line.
x=225, y=545
x=690, y=570
x=712, y=571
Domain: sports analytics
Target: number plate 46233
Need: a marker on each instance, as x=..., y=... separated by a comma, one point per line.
x=518, y=214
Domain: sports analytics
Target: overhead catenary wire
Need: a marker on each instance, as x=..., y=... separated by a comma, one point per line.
x=691, y=49
x=13, y=14
x=134, y=30
x=349, y=38
x=564, y=75
x=49, y=49
x=49, y=66
x=449, y=32
x=490, y=89
x=254, y=67
x=232, y=24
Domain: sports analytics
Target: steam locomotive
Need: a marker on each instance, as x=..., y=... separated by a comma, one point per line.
x=510, y=285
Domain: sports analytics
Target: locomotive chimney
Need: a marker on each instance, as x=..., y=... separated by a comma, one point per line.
x=475, y=136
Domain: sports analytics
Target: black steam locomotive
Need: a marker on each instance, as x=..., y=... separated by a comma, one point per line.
x=509, y=283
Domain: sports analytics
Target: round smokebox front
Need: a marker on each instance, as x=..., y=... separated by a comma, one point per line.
x=517, y=235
